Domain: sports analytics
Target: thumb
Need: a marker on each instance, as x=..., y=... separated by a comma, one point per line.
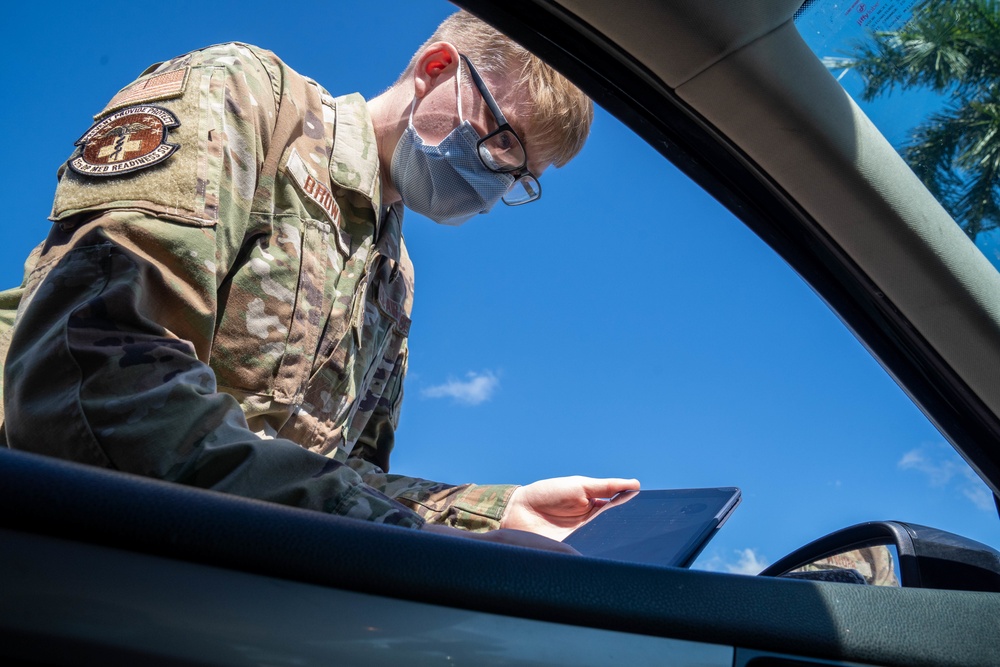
x=605, y=488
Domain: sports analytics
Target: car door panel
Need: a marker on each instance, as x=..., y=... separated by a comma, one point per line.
x=87, y=530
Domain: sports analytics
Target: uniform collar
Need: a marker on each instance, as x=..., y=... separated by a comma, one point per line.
x=354, y=164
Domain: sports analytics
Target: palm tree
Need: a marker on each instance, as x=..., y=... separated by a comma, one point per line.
x=953, y=49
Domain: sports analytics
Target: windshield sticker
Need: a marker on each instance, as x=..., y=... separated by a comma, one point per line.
x=838, y=23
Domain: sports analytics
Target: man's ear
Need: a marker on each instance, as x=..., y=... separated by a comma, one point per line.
x=436, y=63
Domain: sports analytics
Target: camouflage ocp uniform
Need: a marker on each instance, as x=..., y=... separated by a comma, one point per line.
x=223, y=300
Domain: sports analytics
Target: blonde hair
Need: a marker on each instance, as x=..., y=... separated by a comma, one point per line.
x=559, y=118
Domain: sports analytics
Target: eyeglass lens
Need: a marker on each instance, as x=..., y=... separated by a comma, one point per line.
x=525, y=189
x=505, y=151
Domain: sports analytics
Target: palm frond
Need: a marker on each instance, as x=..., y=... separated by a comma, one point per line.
x=951, y=48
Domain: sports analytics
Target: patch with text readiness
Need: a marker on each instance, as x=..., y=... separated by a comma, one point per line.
x=126, y=141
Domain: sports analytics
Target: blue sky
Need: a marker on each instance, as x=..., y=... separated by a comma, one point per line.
x=624, y=325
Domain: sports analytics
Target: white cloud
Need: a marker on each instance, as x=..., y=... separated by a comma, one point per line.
x=980, y=497
x=748, y=561
x=936, y=465
x=475, y=389
x=945, y=468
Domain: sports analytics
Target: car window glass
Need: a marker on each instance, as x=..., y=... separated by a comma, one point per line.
x=926, y=74
x=628, y=324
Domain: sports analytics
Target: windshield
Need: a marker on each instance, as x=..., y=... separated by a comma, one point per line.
x=926, y=73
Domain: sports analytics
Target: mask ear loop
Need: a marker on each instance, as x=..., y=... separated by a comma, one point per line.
x=413, y=106
x=458, y=90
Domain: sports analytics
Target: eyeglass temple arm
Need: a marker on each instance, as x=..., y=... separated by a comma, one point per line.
x=487, y=96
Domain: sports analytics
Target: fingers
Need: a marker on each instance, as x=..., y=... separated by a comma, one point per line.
x=554, y=507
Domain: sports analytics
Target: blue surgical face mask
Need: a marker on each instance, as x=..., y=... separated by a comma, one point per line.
x=448, y=183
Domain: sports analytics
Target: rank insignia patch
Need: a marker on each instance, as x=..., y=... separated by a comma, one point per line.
x=126, y=141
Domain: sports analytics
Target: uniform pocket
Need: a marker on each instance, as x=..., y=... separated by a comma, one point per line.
x=381, y=336
x=393, y=291
x=268, y=336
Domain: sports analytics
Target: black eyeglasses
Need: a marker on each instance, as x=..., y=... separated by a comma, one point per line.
x=501, y=150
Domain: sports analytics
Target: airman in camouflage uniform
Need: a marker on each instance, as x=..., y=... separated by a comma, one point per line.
x=224, y=299
x=242, y=307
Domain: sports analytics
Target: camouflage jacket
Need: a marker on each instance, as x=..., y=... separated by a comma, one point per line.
x=223, y=301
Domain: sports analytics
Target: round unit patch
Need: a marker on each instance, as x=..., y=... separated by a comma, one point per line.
x=127, y=140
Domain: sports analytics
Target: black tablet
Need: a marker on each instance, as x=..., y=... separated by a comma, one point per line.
x=662, y=527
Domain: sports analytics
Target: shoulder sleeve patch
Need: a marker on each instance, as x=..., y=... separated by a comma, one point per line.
x=131, y=139
x=157, y=87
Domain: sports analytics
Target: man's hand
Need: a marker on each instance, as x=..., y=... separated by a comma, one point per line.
x=556, y=507
x=517, y=538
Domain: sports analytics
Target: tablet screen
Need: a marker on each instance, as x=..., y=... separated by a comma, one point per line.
x=664, y=527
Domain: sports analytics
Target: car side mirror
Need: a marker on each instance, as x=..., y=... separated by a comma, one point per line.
x=893, y=553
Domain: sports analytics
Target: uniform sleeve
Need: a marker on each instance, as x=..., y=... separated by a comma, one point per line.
x=474, y=507
x=10, y=300
x=108, y=364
